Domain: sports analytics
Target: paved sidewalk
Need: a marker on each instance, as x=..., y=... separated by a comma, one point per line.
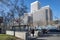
x=47, y=37
x=50, y=37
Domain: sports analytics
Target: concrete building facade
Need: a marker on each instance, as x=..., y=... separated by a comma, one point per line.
x=43, y=16
x=35, y=6
x=39, y=16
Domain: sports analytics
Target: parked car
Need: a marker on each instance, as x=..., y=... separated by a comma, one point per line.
x=54, y=30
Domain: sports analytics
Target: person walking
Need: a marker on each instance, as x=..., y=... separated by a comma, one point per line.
x=32, y=31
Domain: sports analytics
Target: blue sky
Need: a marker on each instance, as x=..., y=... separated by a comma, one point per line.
x=54, y=5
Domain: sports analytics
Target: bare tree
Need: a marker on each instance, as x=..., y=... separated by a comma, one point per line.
x=15, y=8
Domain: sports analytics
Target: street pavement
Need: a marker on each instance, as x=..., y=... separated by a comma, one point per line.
x=51, y=37
x=47, y=37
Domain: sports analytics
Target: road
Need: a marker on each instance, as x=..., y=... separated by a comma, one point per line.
x=52, y=37
x=49, y=36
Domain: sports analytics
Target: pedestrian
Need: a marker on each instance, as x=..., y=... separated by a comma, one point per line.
x=32, y=31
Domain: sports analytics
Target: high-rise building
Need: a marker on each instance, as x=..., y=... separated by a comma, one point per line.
x=39, y=16
x=35, y=6
x=43, y=16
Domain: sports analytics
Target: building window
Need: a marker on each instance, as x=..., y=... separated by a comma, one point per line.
x=46, y=14
x=50, y=15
